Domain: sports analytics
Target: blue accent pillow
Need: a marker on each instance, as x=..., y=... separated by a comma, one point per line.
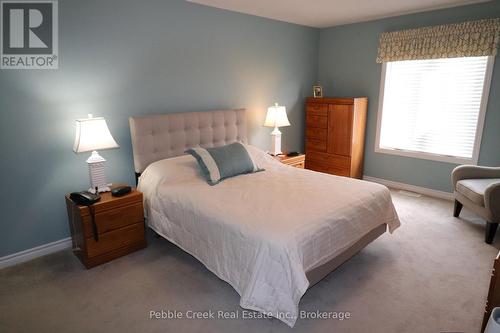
x=223, y=162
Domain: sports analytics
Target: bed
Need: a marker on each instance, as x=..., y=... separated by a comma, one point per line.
x=271, y=235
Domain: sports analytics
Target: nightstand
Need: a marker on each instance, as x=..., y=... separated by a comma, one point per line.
x=295, y=161
x=119, y=222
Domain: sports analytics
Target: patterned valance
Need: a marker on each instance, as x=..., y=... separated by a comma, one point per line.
x=467, y=39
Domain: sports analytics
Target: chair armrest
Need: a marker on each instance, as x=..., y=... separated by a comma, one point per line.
x=492, y=200
x=473, y=172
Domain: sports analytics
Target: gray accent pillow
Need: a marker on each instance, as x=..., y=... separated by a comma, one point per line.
x=223, y=162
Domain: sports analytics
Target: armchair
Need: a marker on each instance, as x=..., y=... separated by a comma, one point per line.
x=478, y=188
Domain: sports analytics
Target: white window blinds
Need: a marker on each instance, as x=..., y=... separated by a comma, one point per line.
x=432, y=106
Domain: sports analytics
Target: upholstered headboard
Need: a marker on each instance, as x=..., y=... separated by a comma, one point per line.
x=162, y=136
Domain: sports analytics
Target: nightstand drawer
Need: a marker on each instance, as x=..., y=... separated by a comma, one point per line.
x=115, y=239
x=293, y=161
x=299, y=165
x=114, y=219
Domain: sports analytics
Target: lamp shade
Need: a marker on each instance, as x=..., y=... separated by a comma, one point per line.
x=93, y=134
x=276, y=116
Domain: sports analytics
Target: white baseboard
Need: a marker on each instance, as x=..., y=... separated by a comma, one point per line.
x=26, y=255
x=413, y=188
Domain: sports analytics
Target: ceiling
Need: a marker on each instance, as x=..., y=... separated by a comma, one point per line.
x=327, y=13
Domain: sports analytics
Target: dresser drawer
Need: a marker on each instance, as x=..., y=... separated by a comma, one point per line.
x=316, y=121
x=114, y=219
x=316, y=134
x=337, y=161
x=320, y=167
x=317, y=109
x=115, y=239
x=315, y=145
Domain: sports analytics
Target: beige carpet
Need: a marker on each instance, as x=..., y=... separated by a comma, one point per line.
x=432, y=275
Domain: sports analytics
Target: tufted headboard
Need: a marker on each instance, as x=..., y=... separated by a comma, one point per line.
x=162, y=136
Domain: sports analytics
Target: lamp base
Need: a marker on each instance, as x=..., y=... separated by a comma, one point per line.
x=97, y=173
x=276, y=142
x=100, y=189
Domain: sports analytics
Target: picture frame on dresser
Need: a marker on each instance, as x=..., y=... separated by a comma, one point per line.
x=317, y=91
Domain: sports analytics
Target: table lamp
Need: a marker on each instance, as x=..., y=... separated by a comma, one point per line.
x=276, y=117
x=93, y=134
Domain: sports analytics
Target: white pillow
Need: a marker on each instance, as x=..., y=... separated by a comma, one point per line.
x=170, y=170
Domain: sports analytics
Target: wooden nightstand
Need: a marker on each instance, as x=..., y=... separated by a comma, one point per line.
x=120, y=228
x=295, y=161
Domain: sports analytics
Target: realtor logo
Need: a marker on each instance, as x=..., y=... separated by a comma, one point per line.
x=29, y=35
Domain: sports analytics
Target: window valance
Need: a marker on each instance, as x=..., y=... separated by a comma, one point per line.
x=467, y=39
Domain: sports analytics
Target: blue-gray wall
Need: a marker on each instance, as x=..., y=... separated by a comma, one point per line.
x=347, y=68
x=123, y=58
x=129, y=57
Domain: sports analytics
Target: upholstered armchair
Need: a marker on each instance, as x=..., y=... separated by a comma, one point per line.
x=478, y=189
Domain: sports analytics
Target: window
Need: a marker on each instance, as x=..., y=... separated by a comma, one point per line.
x=434, y=109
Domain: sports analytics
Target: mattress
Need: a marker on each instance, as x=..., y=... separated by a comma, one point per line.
x=263, y=232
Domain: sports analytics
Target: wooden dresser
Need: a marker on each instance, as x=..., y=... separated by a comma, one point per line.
x=116, y=229
x=335, y=135
x=493, y=299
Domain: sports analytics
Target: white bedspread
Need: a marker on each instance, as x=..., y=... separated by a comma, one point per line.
x=262, y=232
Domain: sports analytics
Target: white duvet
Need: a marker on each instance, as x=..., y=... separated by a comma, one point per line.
x=262, y=232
